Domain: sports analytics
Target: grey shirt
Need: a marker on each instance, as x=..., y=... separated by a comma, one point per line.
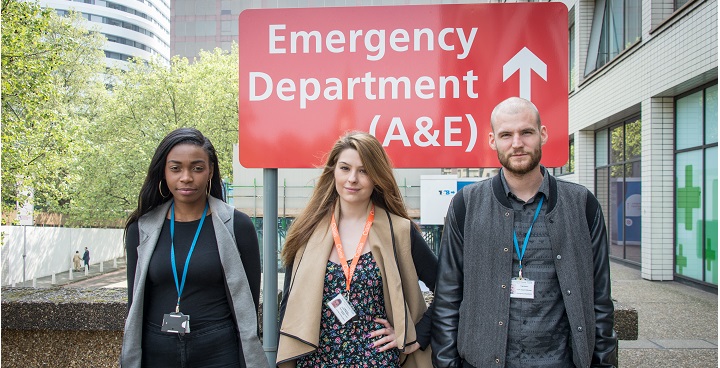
x=538, y=329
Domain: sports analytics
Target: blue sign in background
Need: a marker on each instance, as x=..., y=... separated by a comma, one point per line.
x=628, y=222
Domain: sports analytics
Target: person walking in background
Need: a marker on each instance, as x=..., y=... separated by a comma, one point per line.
x=77, y=261
x=523, y=274
x=193, y=267
x=352, y=259
x=86, y=258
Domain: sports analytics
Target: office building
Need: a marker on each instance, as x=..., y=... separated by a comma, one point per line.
x=133, y=28
x=204, y=25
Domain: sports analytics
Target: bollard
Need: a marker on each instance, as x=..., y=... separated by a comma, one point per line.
x=70, y=274
x=34, y=283
x=101, y=266
x=13, y=283
x=87, y=268
x=114, y=262
x=52, y=280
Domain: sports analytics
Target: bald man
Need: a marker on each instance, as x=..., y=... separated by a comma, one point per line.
x=523, y=272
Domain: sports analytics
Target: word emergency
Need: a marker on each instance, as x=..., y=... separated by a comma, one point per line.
x=375, y=41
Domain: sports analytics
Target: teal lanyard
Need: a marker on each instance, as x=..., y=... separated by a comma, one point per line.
x=180, y=287
x=521, y=254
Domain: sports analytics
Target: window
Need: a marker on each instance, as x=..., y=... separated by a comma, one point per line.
x=569, y=167
x=696, y=185
x=617, y=186
x=616, y=25
x=117, y=56
x=125, y=41
x=679, y=3
x=228, y=27
x=205, y=7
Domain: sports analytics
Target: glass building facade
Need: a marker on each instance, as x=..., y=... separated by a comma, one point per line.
x=618, y=186
x=696, y=185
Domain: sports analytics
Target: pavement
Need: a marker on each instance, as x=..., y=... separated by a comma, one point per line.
x=111, y=274
x=678, y=323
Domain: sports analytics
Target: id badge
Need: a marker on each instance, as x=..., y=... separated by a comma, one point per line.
x=522, y=288
x=176, y=323
x=341, y=308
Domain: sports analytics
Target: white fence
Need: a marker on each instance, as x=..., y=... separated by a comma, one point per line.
x=49, y=250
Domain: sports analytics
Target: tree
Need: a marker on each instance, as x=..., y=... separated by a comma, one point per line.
x=51, y=87
x=148, y=100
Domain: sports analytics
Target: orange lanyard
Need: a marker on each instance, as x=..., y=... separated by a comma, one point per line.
x=349, y=271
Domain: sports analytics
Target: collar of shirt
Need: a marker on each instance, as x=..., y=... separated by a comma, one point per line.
x=544, y=187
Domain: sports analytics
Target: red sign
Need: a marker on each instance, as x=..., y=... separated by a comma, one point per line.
x=422, y=78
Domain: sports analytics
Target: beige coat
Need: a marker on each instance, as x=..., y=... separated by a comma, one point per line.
x=404, y=302
x=77, y=261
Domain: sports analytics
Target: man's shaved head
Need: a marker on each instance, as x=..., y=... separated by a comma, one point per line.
x=512, y=106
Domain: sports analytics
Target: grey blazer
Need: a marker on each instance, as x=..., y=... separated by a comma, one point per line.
x=241, y=300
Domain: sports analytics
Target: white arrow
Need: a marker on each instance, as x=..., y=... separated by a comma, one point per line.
x=524, y=61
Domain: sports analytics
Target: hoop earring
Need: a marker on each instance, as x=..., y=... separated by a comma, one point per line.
x=160, y=190
x=209, y=187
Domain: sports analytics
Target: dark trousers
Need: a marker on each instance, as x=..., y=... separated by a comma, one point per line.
x=212, y=344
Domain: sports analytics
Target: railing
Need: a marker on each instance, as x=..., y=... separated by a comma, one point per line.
x=292, y=198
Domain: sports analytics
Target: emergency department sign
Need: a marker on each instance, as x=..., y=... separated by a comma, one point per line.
x=423, y=79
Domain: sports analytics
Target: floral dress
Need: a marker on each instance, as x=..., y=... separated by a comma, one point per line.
x=348, y=345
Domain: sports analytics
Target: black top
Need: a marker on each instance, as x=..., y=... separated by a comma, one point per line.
x=204, y=297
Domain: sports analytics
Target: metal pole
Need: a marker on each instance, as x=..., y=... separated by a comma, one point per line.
x=270, y=282
x=255, y=200
x=24, y=250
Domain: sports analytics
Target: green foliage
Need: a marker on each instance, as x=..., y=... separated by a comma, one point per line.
x=148, y=100
x=51, y=88
x=625, y=145
x=85, y=149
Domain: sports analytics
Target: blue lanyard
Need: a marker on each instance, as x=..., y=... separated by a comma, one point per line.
x=172, y=251
x=527, y=236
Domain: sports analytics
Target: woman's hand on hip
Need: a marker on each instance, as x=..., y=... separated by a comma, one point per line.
x=387, y=339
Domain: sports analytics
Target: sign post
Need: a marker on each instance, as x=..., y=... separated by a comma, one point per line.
x=270, y=282
x=422, y=78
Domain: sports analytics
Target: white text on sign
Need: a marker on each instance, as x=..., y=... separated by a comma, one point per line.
x=425, y=134
x=368, y=86
x=374, y=41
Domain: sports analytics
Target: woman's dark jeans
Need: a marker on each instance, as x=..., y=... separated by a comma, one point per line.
x=212, y=344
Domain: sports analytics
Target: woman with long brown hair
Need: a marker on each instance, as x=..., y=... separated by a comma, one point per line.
x=353, y=259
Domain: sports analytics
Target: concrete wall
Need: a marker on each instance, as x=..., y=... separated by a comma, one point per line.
x=49, y=250
x=62, y=327
x=74, y=327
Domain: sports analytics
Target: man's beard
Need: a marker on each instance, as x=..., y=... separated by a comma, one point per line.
x=522, y=168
